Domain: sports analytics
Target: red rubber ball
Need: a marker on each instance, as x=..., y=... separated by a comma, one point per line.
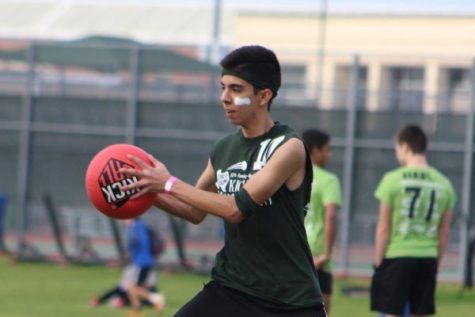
x=103, y=182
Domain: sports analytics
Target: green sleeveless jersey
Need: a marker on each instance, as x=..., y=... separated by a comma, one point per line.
x=418, y=197
x=325, y=190
x=267, y=254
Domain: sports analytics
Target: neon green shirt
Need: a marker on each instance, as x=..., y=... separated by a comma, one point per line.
x=418, y=198
x=325, y=190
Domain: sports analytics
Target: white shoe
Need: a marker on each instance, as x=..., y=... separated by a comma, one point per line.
x=158, y=301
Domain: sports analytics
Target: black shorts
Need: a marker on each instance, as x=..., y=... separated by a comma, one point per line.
x=216, y=300
x=404, y=280
x=140, y=275
x=325, y=280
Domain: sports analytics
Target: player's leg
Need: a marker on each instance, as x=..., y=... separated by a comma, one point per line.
x=218, y=301
x=389, y=287
x=215, y=300
x=151, y=292
x=405, y=314
x=101, y=299
x=422, y=296
x=134, y=289
x=120, y=290
x=152, y=297
x=325, y=280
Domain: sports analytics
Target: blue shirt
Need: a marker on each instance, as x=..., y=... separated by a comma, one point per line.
x=139, y=244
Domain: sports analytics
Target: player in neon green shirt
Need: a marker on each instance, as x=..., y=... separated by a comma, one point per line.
x=320, y=222
x=416, y=204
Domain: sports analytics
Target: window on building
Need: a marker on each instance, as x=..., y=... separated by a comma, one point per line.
x=343, y=86
x=455, y=89
x=405, y=89
x=294, y=79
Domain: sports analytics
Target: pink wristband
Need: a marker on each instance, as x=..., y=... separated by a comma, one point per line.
x=169, y=184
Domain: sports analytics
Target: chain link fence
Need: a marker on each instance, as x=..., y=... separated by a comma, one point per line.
x=61, y=103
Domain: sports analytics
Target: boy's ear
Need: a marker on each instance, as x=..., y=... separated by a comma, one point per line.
x=314, y=151
x=265, y=96
x=405, y=148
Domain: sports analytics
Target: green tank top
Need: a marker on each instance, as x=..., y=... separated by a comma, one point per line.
x=418, y=198
x=267, y=254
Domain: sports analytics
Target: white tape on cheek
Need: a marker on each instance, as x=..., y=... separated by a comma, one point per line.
x=242, y=101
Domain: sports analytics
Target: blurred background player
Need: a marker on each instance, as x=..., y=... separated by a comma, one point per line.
x=321, y=219
x=258, y=180
x=3, y=211
x=118, y=296
x=142, y=258
x=415, y=211
x=139, y=278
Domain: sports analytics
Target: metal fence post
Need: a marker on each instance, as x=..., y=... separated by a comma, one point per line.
x=214, y=47
x=348, y=165
x=131, y=115
x=213, y=51
x=467, y=180
x=130, y=131
x=24, y=148
x=321, y=46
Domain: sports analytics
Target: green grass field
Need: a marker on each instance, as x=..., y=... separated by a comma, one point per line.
x=45, y=290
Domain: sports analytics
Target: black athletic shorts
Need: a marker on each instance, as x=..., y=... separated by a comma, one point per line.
x=325, y=280
x=141, y=274
x=404, y=280
x=216, y=300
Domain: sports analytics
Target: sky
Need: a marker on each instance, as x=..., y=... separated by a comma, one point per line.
x=346, y=6
x=383, y=6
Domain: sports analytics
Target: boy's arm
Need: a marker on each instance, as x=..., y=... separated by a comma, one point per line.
x=329, y=235
x=444, y=228
x=287, y=161
x=183, y=210
x=383, y=231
